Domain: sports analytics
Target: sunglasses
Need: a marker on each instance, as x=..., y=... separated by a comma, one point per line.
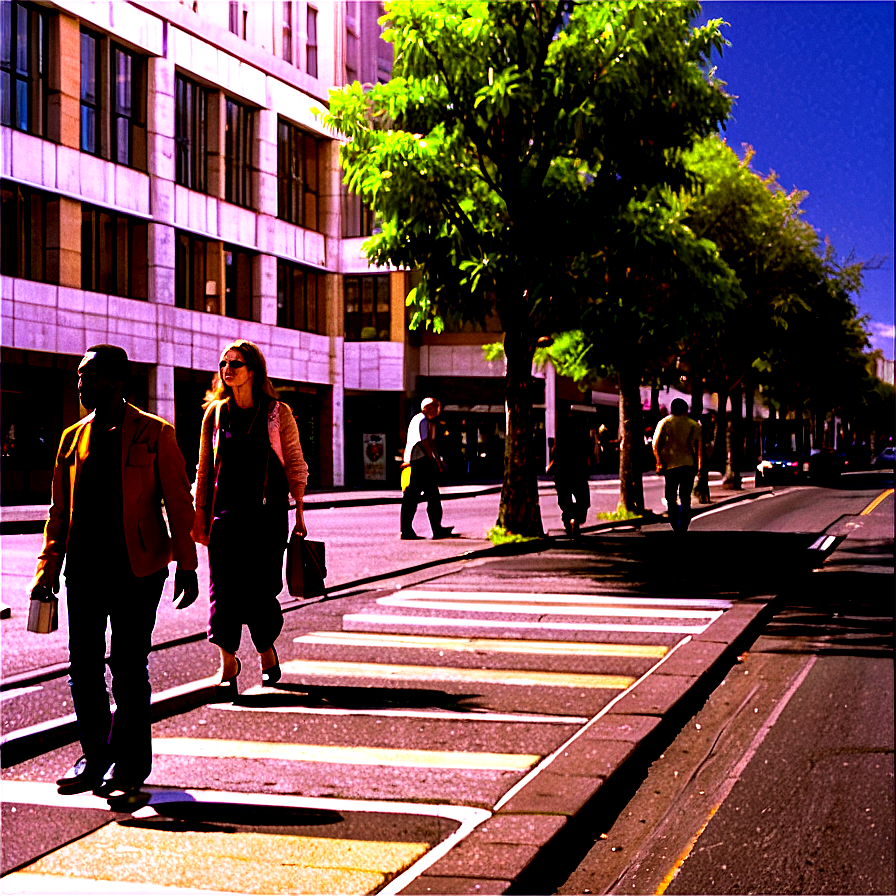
x=233, y=365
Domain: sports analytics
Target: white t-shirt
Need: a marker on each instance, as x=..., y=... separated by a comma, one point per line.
x=418, y=431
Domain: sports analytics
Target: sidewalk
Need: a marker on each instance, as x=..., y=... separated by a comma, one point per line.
x=26, y=517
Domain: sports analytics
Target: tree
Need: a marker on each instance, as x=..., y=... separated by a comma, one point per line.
x=511, y=133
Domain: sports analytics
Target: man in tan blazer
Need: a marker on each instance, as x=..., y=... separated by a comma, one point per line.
x=114, y=469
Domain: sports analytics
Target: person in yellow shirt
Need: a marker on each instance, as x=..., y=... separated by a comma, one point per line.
x=677, y=446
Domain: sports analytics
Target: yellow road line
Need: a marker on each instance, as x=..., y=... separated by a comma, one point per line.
x=480, y=645
x=232, y=862
x=683, y=857
x=385, y=672
x=379, y=756
x=876, y=502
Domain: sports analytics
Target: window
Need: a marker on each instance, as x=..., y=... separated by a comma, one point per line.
x=24, y=54
x=298, y=158
x=118, y=110
x=384, y=53
x=127, y=107
x=367, y=308
x=287, y=31
x=24, y=217
x=357, y=218
x=192, y=289
x=233, y=22
x=300, y=298
x=311, y=43
x=238, y=282
x=190, y=134
x=90, y=99
x=238, y=154
x=113, y=253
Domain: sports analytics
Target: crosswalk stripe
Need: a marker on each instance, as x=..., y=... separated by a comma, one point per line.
x=545, y=607
x=340, y=755
x=387, y=672
x=675, y=603
x=481, y=645
x=505, y=624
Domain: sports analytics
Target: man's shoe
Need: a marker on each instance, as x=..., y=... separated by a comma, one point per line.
x=117, y=784
x=80, y=778
x=443, y=532
x=410, y=536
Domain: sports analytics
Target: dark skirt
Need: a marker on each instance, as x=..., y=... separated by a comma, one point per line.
x=245, y=556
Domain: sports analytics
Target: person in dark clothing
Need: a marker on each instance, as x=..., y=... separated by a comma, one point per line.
x=250, y=462
x=113, y=471
x=569, y=469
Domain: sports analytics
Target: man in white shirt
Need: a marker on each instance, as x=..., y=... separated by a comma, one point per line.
x=425, y=463
x=677, y=446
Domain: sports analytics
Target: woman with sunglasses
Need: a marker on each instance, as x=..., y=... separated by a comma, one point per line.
x=250, y=462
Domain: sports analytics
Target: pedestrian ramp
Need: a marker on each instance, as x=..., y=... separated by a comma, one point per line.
x=186, y=842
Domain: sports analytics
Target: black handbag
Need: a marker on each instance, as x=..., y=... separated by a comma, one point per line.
x=306, y=567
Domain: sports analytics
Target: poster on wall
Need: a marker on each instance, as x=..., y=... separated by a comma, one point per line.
x=374, y=456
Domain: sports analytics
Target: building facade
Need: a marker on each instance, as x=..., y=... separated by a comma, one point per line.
x=167, y=187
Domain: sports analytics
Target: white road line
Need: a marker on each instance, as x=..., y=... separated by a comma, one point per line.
x=701, y=513
x=505, y=624
x=544, y=608
x=19, y=692
x=35, y=793
x=599, y=599
x=434, y=714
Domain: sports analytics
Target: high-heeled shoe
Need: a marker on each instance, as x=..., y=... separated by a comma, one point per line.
x=227, y=689
x=271, y=675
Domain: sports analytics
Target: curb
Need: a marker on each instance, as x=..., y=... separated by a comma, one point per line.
x=548, y=826
x=28, y=743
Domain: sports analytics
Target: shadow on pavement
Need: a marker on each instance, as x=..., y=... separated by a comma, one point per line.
x=654, y=561
x=345, y=697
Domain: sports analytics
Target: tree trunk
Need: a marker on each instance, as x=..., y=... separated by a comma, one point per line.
x=631, y=487
x=734, y=442
x=720, y=439
x=519, y=511
x=750, y=453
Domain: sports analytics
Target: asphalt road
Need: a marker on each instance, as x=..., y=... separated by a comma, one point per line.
x=405, y=717
x=784, y=781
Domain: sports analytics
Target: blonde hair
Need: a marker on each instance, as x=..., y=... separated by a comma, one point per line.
x=262, y=387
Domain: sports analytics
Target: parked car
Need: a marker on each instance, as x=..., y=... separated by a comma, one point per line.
x=780, y=466
x=826, y=464
x=885, y=459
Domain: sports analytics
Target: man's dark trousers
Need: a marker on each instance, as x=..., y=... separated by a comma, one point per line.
x=679, y=484
x=129, y=603
x=424, y=484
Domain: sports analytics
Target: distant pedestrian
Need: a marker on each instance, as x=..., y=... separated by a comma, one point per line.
x=568, y=468
x=113, y=472
x=425, y=465
x=677, y=445
x=250, y=462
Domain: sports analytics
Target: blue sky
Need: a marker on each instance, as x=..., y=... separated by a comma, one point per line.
x=814, y=97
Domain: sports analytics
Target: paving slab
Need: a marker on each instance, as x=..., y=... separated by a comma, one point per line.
x=656, y=696
x=553, y=794
x=455, y=886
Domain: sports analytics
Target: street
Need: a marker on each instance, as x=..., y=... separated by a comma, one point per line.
x=465, y=727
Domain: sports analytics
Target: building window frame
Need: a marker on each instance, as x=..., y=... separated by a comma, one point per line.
x=91, y=95
x=298, y=175
x=238, y=141
x=24, y=216
x=127, y=106
x=287, y=48
x=233, y=17
x=191, y=266
x=358, y=219
x=311, y=41
x=114, y=257
x=191, y=104
x=24, y=59
x=300, y=298
x=238, y=264
x=368, y=307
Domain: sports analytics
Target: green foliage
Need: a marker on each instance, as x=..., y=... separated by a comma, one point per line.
x=499, y=535
x=619, y=515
